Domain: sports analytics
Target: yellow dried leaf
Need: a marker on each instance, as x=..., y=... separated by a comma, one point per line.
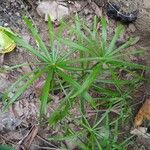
x=6, y=43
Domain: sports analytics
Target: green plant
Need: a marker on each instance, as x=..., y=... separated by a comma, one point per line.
x=89, y=65
x=6, y=147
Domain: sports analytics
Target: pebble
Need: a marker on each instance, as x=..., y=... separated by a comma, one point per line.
x=86, y=11
x=6, y=24
x=10, y=13
x=18, y=14
x=132, y=27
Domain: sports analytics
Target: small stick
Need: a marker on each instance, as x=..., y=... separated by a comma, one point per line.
x=26, y=142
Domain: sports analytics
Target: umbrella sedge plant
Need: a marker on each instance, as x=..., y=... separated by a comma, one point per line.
x=52, y=64
x=88, y=64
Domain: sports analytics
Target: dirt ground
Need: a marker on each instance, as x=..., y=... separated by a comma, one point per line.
x=24, y=114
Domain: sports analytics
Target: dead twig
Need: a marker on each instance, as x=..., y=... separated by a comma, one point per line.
x=45, y=141
x=26, y=142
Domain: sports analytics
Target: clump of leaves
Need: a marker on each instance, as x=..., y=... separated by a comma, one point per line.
x=88, y=64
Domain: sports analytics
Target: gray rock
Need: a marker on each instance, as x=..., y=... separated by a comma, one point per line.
x=55, y=10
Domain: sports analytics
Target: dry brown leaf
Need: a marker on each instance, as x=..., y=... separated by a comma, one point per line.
x=143, y=113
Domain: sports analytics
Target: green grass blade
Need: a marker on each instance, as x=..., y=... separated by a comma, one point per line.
x=117, y=62
x=104, y=29
x=128, y=53
x=76, y=86
x=37, y=37
x=90, y=79
x=77, y=30
x=25, y=45
x=77, y=23
x=45, y=93
x=62, y=111
x=22, y=78
x=118, y=32
x=94, y=33
x=51, y=32
x=73, y=45
x=24, y=87
x=124, y=46
x=70, y=68
x=104, y=35
x=84, y=60
x=101, y=119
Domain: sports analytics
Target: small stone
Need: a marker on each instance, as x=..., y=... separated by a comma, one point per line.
x=18, y=14
x=9, y=13
x=53, y=9
x=132, y=27
x=6, y=24
x=1, y=23
x=22, y=6
x=86, y=11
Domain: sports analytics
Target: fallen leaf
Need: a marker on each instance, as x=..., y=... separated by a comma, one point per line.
x=143, y=113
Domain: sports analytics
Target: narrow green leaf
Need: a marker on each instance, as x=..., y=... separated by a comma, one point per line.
x=76, y=86
x=104, y=35
x=104, y=29
x=118, y=32
x=81, y=36
x=45, y=92
x=71, y=68
x=22, y=78
x=88, y=82
x=77, y=23
x=18, y=40
x=76, y=46
x=123, y=63
x=123, y=47
x=37, y=37
x=62, y=111
x=85, y=59
x=77, y=30
x=101, y=119
x=127, y=53
x=94, y=33
x=24, y=87
x=51, y=31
